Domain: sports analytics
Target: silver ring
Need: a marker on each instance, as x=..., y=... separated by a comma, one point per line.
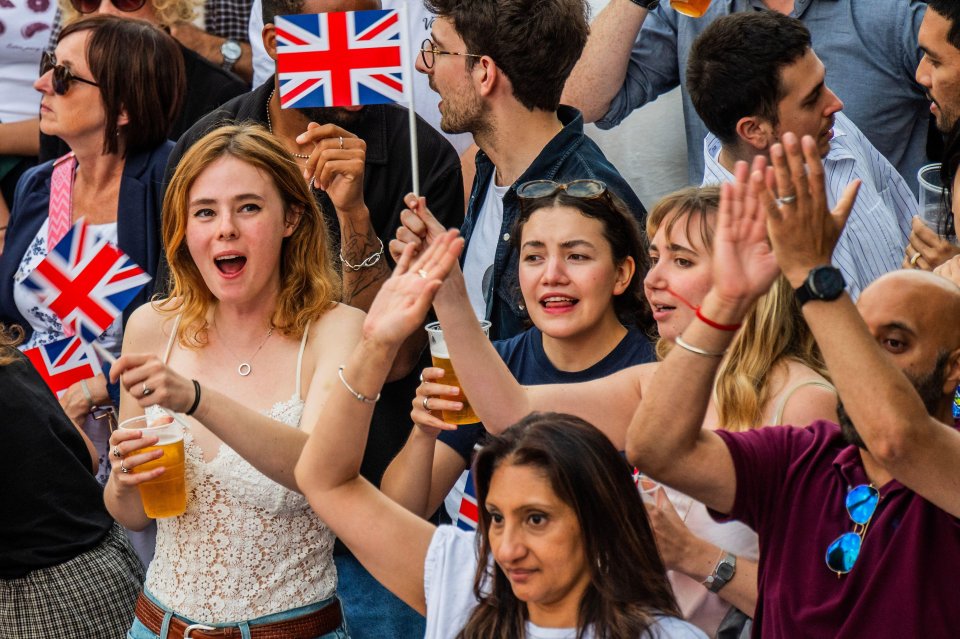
x=787, y=199
x=146, y=391
x=421, y=378
x=341, y=143
x=116, y=452
x=423, y=273
x=913, y=260
x=124, y=469
x=425, y=407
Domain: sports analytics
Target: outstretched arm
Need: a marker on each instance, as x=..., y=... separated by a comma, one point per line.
x=919, y=450
x=670, y=445
x=390, y=541
x=602, y=67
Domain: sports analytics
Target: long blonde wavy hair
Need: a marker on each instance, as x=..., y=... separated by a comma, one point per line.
x=168, y=12
x=774, y=330
x=308, y=282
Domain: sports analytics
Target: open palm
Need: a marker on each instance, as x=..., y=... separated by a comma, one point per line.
x=403, y=301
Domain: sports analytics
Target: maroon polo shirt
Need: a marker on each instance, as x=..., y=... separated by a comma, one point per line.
x=791, y=487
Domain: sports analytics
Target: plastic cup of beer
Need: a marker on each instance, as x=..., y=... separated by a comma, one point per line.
x=692, y=8
x=932, y=194
x=166, y=495
x=441, y=359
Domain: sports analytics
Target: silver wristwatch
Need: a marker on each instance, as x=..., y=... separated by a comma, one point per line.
x=231, y=52
x=724, y=571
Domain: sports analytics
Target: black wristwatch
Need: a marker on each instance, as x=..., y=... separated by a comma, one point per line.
x=723, y=573
x=649, y=5
x=824, y=283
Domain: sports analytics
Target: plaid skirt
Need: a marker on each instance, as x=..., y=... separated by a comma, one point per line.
x=90, y=597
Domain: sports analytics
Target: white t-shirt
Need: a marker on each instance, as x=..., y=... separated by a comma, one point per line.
x=478, y=263
x=24, y=32
x=425, y=99
x=448, y=588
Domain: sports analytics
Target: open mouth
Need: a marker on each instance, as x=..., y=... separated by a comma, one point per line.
x=558, y=302
x=230, y=264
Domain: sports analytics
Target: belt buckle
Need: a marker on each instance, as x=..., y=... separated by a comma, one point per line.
x=196, y=626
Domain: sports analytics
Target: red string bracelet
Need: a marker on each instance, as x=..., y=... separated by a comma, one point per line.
x=720, y=327
x=703, y=318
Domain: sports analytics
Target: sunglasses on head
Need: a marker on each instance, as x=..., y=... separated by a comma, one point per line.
x=89, y=6
x=843, y=553
x=62, y=76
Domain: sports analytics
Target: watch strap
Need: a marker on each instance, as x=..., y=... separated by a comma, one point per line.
x=649, y=5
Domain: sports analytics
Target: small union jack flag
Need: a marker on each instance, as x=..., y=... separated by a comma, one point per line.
x=340, y=59
x=86, y=281
x=64, y=362
x=469, y=512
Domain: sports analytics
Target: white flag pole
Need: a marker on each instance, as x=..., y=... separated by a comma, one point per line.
x=408, y=72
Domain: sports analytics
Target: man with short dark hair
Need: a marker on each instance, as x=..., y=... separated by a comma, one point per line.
x=638, y=51
x=499, y=67
x=754, y=75
x=859, y=522
x=939, y=68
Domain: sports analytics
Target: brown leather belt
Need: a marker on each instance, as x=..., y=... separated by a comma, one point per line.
x=325, y=620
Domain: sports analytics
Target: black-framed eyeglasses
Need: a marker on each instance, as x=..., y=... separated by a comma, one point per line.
x=62, y=76
x=861, y=505
x=89, y=6
x=429, y=51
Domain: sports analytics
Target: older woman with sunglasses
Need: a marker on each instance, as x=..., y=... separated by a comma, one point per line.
x=207, y=85
x=111, y=91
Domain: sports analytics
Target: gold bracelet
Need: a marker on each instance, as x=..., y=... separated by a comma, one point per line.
x=697, y=351
x=359, y=396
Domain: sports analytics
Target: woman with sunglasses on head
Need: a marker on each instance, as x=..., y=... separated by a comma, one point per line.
x=582, y=264
x=111, y=90
x=772, y=374
x=565, y=550
x=207, y=85
x=253, y=318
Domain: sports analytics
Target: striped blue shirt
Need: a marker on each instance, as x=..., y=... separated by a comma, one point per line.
x=878, y=228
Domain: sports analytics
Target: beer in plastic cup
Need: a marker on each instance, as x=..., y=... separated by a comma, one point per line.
x=166, y=495
x=932, y=195
x=441, y=359
x=692, y=8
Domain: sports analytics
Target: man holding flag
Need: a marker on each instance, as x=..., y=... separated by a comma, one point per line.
x=358, y=158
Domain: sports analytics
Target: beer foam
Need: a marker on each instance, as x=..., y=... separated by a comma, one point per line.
x=439, y=349
x=165, y=438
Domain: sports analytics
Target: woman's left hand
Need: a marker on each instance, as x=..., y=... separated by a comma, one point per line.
x=404, y=299
x=75, y=403
x=926, y=250
x=149, y=381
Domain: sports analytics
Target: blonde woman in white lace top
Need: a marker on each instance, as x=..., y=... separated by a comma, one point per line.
x=252, y=317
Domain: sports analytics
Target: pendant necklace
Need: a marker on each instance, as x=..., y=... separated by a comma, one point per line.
x=244, y=368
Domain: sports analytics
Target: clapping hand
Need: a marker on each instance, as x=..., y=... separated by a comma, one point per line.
x=802, y=228
x=402, y=303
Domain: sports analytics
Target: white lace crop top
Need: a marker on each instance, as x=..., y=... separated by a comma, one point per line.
x=246, y=546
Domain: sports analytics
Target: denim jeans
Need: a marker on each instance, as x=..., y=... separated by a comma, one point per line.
x=372, y=611
x=139, y=631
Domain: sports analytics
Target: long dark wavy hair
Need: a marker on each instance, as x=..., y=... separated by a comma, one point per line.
x=628, y=586
x=622, y=233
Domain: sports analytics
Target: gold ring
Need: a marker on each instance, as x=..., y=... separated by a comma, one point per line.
x=913, y=260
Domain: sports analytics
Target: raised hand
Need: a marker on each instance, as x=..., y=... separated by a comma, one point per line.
x=744, y=266
x=403, y=301
x=802, y=228
x=336, y=166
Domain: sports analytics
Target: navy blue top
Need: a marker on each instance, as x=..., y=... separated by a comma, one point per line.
x=524, y=356
x=570, y=155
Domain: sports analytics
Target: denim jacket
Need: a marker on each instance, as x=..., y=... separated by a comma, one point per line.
x=570, y=155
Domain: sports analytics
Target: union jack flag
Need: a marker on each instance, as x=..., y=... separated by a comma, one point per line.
x=86, y=281
x=469, y=513
x=340, y=59
x=64, y=362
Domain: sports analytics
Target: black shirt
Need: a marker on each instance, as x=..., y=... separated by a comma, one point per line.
x=51, y=506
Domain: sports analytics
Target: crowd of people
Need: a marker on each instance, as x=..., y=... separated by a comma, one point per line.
x=729, y=413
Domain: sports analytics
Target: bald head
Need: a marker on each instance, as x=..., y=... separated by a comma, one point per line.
x=926, y=307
